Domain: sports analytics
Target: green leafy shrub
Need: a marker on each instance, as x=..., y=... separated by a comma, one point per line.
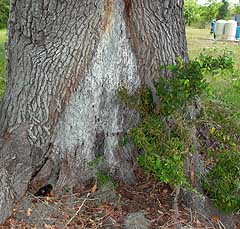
x=167, y=169
x=164, y=151
x=186, y=83
x=223, y=182
x=163, y=139
x=4, y=11
x=162, y=136
x=218, y=130
x=219, y=136
x=215, y=63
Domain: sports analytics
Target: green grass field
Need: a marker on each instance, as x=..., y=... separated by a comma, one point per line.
x=2, y=59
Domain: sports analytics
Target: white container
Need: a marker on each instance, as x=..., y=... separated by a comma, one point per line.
x=230, y=30
x=219, y=30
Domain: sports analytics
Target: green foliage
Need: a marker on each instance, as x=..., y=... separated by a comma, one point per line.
x=96, y=162
x=163, y=150
x=210, y=10
x=224, y=84
x=103, y=179
x=191, y=12
x=186, y=83
x=235, y=10
x=162, y=135
x=218, y=124
x=223, y=10
x=188, y=80
x=2, y=60
x=215, y=63
x=223, y=182
x=218, y=128
x=219, y=138
x=200, y=15
x=4, y=12
x=167, y=169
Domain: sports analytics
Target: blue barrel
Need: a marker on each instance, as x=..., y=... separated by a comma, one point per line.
x=238, y=32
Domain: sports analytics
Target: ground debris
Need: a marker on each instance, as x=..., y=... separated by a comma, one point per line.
x=147, y=203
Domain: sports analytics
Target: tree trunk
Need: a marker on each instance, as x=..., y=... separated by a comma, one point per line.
x=66, y=61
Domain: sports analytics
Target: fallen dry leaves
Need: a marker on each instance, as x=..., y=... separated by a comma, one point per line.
x=83, y=210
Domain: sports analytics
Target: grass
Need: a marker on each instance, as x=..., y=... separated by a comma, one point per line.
x=225, y=86
x=3, y=37
x=200, y=40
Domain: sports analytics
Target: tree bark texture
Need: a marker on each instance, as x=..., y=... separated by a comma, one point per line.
x=66, y=61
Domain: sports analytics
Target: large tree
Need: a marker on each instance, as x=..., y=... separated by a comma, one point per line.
x=66, y=61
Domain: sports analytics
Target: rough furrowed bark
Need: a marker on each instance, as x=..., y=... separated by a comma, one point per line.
x=66, y=61
x=18, y=161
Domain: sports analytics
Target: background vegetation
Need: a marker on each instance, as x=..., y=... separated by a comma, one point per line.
x=200, y=16
x=2, y=60
x=221, y=131
x=224, y=87
x=4, y=11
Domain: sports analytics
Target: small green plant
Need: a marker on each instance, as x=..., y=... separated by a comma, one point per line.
x=223, y=182
x=216, y=63
x=168, y=169
x=104, y=178
x=96, y=162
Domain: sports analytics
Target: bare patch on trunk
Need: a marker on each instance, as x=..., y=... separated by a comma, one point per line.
x=94, y=118
x=107, y=15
